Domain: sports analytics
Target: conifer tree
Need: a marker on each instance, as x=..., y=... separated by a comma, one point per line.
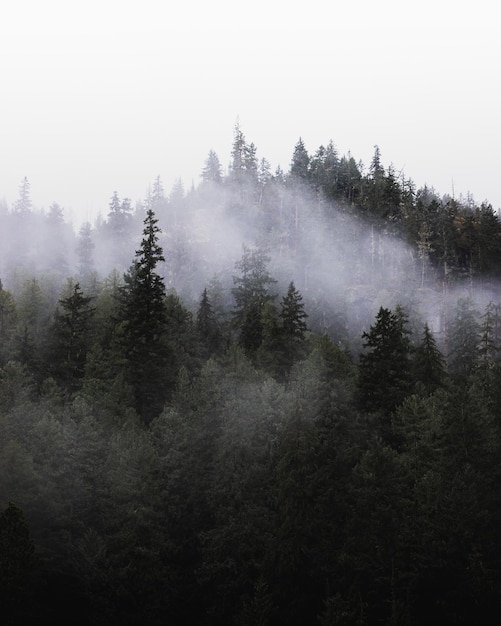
x=300, y=165
x=212, y=169
x=17, y=559
x=464, y=341
x=385, y=374
x=208, y=332
x=428, y=364
x=7, y=321
x=22, y=205
x=71, y=337
x=251, y=292
x=144, y=321
x=84, y=250
x=294, y=327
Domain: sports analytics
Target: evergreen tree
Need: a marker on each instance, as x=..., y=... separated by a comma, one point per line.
x=209, y=335
x=385, y=366
x=251, y=292
x=22, y=206
x=212, y=169
x=293, y=327
x=490, y=339
x=7, y=321
x=85, y=248
x=463, y=340
x=428, y=364
x=144, y=320
x=300, y=165
x=71, y=330
x=17, y=559
x=238, y=155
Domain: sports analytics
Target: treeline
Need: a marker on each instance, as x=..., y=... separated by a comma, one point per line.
x=187, y=441
x=451, y=239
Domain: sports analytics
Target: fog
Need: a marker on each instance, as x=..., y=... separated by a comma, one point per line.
x=345, y=266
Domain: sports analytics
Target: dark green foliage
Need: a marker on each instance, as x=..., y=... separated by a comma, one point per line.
x=385, y=366
x=429, y=370
x=293, y=316
x=208, y=331
x=176, y=468
x=17, y=560
x=144, y=324
x=463, y=341
x=7, y=322
x=71, y=337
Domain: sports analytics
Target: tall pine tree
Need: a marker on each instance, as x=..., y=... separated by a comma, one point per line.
x=385, y=366
x=144, y=324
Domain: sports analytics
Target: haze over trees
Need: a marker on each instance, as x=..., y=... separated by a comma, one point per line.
x=271, y=399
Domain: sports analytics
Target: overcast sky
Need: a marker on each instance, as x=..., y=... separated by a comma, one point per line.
x=105, y=95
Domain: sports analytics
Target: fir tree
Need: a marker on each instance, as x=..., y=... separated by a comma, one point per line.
x=71, y=337
x=251, y=292
x=208, y=332
x=464, y=341
x=385, y=374
x=144, y=326
x=293, y=329
x=428, y=364
x=212, y=169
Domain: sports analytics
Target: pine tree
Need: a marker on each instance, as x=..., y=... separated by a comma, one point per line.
x=84, y=250
x=7, y=321
x=22, y=205
x=385, y=374
x=428, y=364
x=464, y=341
x=251, y=292
x=144, y=320
x=212, y=169
x=293, y=329
x=17, y=559
x=71, y=332
x=300, y=165
x=238, y=155
x=208, y=332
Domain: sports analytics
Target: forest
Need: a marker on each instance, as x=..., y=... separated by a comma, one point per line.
x=273, y=398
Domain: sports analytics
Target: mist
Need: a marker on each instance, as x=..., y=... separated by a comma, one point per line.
x=346, y=265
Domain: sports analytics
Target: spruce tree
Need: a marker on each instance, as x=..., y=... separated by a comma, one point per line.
x=385, y=366
x=294, y=327
x=209, y=336
x=464, y=341
x=144, y=324
x=71, y=331
x=212, y=169
x=428, y=364
x=251, y=292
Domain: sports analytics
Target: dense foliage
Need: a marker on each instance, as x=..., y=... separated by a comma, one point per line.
x=279, y=405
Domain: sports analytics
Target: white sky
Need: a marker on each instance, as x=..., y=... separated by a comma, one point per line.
x=105, y=95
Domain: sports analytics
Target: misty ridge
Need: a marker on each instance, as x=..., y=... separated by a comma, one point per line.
x=351, y=238
x=272, y=398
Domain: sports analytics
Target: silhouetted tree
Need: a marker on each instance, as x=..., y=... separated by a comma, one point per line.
x=428, y=364
x=208, y=331
x=144, y=320
x=71, y=331
x=385, y=366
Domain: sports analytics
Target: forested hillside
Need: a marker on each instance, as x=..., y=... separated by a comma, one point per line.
x=273, y=398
